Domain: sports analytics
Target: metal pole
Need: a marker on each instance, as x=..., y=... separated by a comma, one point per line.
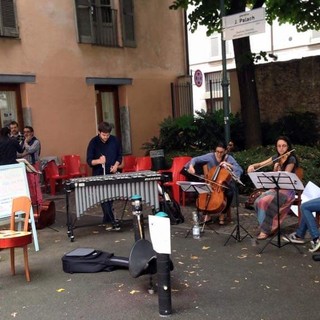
x=225, y=82
x=211, y=96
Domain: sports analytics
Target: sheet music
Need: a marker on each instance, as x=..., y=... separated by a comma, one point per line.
x=311, y=191
x=271, y=180
x=190, y=186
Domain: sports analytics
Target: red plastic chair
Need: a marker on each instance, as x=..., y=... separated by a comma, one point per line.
x=143, y=163
x=128, y=163
x=13, y=238
x=53, y=176
x=73, y=166
x=177, y=165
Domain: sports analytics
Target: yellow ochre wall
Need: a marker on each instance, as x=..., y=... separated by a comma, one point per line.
x=62, y=104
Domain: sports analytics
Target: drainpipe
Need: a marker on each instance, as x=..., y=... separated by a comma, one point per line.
x=186, y=42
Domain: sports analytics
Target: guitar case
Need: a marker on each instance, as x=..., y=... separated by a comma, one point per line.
x=88, y=260
x=45, y=214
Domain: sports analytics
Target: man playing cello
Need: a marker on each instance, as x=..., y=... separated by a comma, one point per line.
x=218, y=163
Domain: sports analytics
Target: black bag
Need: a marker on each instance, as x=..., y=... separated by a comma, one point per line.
x=87, y=260
x=316, y=257
x=173, y=210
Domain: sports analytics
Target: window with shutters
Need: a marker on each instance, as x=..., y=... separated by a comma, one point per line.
x=128, y=23
x=98, y=22
x=8, y=19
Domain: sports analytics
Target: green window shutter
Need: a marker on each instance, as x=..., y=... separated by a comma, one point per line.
x=8, y=19
x=84, y=11
x=128, y=23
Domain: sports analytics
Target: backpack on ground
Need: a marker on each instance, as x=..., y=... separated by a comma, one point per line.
x=170, y=206
x=173, y=210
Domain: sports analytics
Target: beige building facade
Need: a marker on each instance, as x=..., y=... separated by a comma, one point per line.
x=66, y=65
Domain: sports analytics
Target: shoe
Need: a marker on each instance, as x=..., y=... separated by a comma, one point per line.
x=116, y=225
x=108, y=226
x=315, y=246
x=221, y=219
x=262, y=236
x=292, y=237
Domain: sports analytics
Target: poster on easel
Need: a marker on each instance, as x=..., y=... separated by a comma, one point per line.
x=14, y=183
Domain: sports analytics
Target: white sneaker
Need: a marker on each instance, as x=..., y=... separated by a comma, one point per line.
x=292, y=237
x=315, y=246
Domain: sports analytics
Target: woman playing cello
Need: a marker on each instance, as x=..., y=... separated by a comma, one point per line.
x=218, y=158
x=266, y=205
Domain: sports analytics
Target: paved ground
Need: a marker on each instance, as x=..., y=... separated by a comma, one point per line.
x=210, y=280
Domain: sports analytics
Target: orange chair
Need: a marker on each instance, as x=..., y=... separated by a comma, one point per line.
x=128, y=163
x=177, y=165
x=11, y=238
x=53, y=176
x=73, y=166
x=143, y=163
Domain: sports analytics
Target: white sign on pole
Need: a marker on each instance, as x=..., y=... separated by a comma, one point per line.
x=243, y=24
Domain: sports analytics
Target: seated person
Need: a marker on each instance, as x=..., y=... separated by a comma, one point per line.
x=266, y=205
x=218, y=158
x=307, y=223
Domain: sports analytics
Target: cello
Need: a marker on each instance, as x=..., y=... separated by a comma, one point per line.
x=214, y=202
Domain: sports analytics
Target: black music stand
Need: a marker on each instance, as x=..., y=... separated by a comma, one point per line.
x=199, y=188
x=236, y=230
x=277, y=180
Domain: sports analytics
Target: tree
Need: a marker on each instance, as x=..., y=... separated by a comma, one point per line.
x=304, y=14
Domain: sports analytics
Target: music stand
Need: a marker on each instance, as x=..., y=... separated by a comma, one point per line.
x=277, y=180
x=238, y=226
x=198, y=187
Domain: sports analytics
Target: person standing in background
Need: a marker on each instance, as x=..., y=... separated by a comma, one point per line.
x=9, y=148
x=31, y=152
x=15, y=133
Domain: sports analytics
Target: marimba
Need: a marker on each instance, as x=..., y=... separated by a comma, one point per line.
x=91, y=191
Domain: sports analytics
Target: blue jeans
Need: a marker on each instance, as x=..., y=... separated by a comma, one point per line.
x=308, y=222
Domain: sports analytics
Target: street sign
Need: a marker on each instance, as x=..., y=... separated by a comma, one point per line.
x=243, y=24
x=198, y=78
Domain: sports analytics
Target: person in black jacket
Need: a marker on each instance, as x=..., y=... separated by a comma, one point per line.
x=104, y=156
x=9, y=147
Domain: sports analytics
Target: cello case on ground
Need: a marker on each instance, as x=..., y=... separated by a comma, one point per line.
x=45, y=214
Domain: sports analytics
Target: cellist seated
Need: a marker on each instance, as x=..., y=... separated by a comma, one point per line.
x=221, y=167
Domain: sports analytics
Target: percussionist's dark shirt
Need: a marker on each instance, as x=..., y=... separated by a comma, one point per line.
x=8, y=150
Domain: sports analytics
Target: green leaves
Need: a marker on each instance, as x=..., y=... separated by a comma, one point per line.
x=304, y=14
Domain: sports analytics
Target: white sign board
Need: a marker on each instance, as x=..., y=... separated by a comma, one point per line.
x=14, y=183
x=160, y=234
x=243, y=24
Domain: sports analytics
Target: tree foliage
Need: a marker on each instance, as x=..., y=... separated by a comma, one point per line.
x=304, y=14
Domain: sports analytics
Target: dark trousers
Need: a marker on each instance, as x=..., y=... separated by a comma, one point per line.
x=229, y=195
x=107, y=208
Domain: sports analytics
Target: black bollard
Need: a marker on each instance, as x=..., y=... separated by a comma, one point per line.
x=164, y=284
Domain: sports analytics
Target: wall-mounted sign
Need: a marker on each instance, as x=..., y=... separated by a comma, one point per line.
x=243, y=24
x=198, y=78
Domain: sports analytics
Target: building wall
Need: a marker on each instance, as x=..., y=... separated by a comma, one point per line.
x=282, y=40
x=61, y=103
x=288, y=86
